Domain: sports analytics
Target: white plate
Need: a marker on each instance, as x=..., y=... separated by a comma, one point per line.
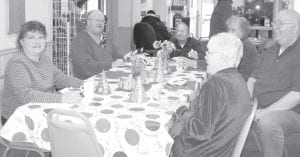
x=177, y=59
x=177, y=82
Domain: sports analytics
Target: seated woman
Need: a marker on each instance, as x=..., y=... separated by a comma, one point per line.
x=239, y=27
x=30, y=76
x=186, y=46
x=210, y=126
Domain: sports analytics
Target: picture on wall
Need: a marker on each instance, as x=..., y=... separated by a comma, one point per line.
x=16, y=15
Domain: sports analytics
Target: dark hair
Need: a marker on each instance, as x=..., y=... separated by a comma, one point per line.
x=150, y=12
x=30, y=26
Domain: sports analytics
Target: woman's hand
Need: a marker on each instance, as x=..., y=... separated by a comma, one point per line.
x=176, y=129
x=71, y=97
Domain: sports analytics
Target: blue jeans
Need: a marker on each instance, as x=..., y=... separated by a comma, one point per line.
x=274, y=127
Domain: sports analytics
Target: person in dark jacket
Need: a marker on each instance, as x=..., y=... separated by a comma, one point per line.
x=239, y=27
x=209, y=127
x=186, y=46
x=160, y=29
x=220, y=15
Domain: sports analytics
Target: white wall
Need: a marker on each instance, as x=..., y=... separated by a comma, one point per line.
x=161, y=9
x=297, y=5
x=92, y=5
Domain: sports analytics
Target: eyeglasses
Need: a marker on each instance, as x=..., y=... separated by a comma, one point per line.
x=32, y=38
x=278, y=24
x=98, y=20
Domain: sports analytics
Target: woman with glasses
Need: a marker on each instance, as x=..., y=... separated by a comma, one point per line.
x=240, y=27
x=30, y=76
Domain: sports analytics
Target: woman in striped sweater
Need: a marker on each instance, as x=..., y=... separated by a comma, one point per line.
x=30, y=76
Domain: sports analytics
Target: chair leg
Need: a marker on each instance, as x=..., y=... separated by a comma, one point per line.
x=256, y=139
x=27, y=153
x=6, y=152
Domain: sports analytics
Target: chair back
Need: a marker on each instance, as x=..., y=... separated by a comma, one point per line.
x=143, y=35
x=70, y=138
x=244, y=133
x=1, y=90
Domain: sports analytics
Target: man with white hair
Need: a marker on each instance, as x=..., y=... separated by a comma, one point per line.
x=210, y=127
x=276, y=84
x=91, y=51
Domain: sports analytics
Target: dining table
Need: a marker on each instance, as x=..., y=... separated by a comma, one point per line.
x=122, y=127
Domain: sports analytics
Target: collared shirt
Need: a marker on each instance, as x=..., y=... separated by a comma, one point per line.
x=89, y=58
x=276, y=75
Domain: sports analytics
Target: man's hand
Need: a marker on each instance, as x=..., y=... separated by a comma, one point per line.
x=193, y=54
x=130, y=54
x=190, y=63
x=117, y=63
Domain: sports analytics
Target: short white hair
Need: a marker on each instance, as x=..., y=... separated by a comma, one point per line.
x=226, y=44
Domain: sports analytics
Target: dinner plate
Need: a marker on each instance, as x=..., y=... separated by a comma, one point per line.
x=177, y=82
x=177, y=59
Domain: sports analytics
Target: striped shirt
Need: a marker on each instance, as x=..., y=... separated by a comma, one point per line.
x=28, y=81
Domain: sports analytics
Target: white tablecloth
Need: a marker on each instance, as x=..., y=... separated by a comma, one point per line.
x=121, y=127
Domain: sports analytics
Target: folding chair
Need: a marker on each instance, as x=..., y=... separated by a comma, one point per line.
x=76, y=139
x=25, y=146
x=244, y=133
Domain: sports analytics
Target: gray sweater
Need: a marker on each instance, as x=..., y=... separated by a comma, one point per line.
x=90, y=58
x=28, y=81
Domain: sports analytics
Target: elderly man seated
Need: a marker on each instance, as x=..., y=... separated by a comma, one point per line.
x=91, y=50
x=276, y=84
x=211, y=126
x=186, y=46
